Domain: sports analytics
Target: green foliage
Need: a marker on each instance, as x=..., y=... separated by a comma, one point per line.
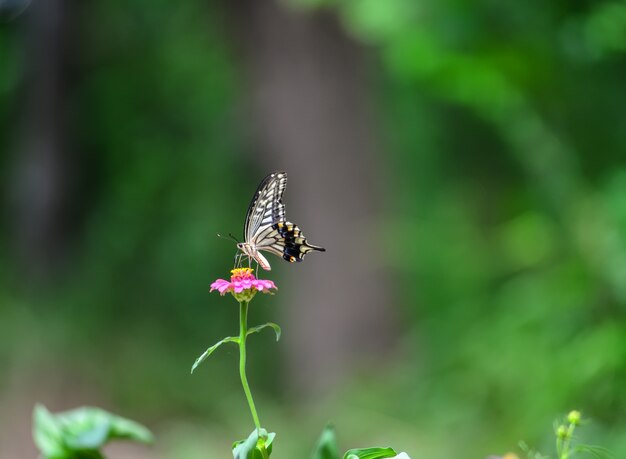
x=258, y=445
x=258, y=328
x=567, y=444
x=209, y=351
x=513, y=270
x=326, y=447
x=81, y=433
x=369, y=453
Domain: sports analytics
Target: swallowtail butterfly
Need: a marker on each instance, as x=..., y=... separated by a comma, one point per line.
x=266, y=226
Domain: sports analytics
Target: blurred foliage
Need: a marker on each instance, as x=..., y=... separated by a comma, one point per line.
x=82, y=432
x=326, y=448
x=258, y=445
x=505, y=133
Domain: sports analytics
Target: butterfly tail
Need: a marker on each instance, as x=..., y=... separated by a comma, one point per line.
x=315, y=247
x=295, y=244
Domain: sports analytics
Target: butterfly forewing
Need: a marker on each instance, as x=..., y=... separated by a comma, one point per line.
x=266, y=207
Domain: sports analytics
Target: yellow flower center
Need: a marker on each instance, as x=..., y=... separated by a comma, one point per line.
x=241, y=272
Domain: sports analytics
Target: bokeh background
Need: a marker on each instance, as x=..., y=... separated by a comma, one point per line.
x=464, y=164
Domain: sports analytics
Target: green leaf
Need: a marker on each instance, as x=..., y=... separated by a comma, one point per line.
x=370, y=453
x=127, y=429
x=47, y=434
x=261, y=327
x=242, y=449
x=209, y=351
x=80, y=433
x=269, y=442
x=92, y=437
x=326, y=447
x=258, y=445
x=91, y=428
x=84, y=428
x=597, y=451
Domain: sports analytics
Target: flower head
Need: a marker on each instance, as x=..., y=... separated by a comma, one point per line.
x=574, y=417
x=562, y=432
x=243, y=285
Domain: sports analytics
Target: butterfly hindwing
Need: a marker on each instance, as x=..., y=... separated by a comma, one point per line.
x=286, y=240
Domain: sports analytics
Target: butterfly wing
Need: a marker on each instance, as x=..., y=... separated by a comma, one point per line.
x=266, y=227
x=266, y=207
x=285, y=240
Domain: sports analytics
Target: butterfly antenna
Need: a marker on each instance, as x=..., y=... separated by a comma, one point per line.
x=229, y=238
x=233, y=238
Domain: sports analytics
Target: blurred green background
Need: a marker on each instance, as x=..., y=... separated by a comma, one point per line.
x=464, y=163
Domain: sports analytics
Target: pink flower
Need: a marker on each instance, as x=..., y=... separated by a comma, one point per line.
x=243, y=285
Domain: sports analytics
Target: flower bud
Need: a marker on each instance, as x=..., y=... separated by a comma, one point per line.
x=562, y=432
x=574, y=417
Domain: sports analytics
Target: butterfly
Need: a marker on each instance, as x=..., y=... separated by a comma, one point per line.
x=267, y=228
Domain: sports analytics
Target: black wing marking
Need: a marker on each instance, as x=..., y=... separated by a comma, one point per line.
x=266, y=207
x=285, y=240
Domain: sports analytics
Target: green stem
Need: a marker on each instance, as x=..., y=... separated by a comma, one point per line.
x=243, y=330
x=566, y=443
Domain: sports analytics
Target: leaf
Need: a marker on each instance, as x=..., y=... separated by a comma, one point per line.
x=261, y=327
x=596, y=451
x=258, y=445
x=92, y=437
x=370, y=453
x=47, y=434
x=209, y=351
x=326, y=447
x=91, y=428
x=127, y=429
x=269, y=442
x=242, y=449
x=80, y=433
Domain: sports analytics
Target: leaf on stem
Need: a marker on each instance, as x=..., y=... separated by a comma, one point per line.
x=47, y=433
x=258, y=445
x=261, y=327
x=209, y=351
x=326, y=447
x=370, y=453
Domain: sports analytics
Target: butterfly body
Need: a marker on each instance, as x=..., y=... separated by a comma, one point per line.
x=267, y=229
x=252, y=252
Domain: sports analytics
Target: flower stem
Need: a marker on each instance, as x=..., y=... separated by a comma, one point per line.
x=566, y=444
x=243, y=330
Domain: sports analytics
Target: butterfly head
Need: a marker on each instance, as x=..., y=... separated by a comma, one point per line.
x=246, y=248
